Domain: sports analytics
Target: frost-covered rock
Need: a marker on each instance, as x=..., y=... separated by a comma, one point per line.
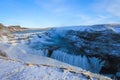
x=3, y=54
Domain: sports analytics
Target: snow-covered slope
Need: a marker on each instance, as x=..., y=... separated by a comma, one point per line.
x=16, y=63
x=19, y=62
x=16, y=70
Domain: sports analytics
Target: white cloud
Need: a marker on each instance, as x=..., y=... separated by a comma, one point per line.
x=103, y=11
x=89, y=20
x=112, y=7
x=56, y=6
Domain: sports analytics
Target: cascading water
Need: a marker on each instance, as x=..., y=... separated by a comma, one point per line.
x=91, y=64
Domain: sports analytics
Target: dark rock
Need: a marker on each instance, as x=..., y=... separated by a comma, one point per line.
x=3, y=54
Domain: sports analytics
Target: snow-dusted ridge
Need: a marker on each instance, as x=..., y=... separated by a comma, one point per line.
x=18, y=70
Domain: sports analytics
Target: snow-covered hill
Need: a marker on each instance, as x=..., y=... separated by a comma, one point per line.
x=17, y=70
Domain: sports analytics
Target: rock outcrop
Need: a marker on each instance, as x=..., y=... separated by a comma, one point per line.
x=4, y=31
x=16, y=28
x=12, y=28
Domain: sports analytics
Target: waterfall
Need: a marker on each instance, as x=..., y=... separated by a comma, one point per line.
x=92, y=64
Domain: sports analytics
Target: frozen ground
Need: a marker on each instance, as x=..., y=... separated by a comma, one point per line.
x=15, y=70
x=20, y=65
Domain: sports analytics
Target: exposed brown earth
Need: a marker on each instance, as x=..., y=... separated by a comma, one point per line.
x=7, y=29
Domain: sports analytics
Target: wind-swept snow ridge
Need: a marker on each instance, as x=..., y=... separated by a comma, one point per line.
x=18, y=70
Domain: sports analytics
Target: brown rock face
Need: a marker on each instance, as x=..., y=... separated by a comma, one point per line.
x=5, y=30
x=1, y=26
x=3, y=54
x=15, y=28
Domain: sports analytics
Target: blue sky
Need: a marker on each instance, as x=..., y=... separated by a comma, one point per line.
x=53, y=13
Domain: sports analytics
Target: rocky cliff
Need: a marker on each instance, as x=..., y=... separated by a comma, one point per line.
x=16, y=28
x=12, y=28
x=4, y=30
